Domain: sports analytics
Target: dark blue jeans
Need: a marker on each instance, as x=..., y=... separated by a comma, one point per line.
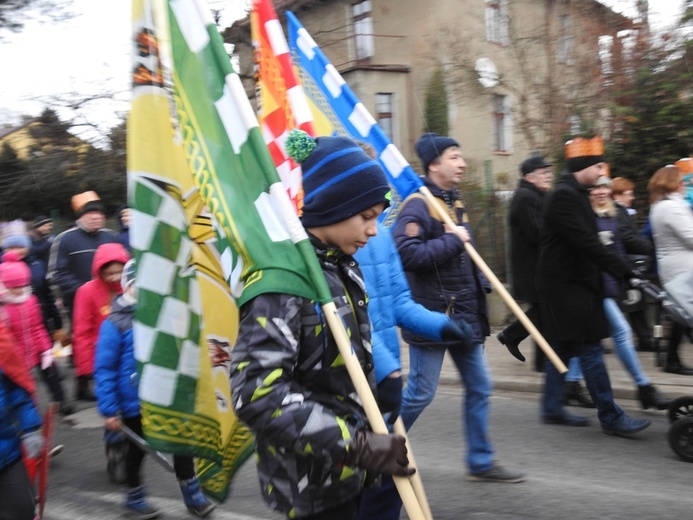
x=596, y=380
x=381, y=503
x=384, y=503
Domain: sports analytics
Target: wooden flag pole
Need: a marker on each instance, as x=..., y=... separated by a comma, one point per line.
x=363, y=389
x=416, y=481
x=498, y=286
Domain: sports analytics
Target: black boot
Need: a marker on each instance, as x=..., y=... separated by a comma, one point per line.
x=66, y=409
x=649, y=398
x=84, y=391
x=675, y=367
x=574, y=391
x=513, y=346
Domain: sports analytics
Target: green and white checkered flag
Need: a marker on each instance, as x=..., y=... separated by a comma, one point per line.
x=231, y=164
x=163, y=247
x=186, y=318
x=212, y=227
x=236, y=178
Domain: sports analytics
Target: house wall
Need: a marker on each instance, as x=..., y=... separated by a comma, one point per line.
x=21, y=140
x=414, y=37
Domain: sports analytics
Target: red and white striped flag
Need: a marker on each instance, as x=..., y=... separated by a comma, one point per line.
x=282, y=104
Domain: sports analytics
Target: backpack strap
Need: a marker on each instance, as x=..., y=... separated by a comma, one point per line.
x=431, y=209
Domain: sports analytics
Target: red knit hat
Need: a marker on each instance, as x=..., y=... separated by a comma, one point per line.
x=13, y=271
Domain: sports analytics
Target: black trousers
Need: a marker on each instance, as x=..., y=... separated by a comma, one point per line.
x=675, y=337
x=51, y=377
x=516, y=333
x=346, y=511
x=183, y=466
x=638, y=321
x=16, y=494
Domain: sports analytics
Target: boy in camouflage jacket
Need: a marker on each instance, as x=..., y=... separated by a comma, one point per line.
x=289, y=382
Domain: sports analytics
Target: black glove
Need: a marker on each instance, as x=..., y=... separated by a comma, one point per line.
x=390, y=397
x=459, y=330
x=379, y=453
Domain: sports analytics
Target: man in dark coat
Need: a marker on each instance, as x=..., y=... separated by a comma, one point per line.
x=525, y=234
x=443, y=278
x=72, y=252
x=571, y=258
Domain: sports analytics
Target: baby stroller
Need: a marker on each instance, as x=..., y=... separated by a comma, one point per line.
x=676, y=302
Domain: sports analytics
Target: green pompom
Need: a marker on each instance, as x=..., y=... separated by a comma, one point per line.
x=299, y=145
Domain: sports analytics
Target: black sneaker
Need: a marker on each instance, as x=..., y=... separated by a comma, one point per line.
x=497, y=474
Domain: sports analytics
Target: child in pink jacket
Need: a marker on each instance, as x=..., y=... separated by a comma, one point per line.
x=92, y=305
x=21, y=312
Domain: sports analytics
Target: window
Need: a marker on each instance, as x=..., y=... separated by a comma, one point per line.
x=502, y=124
x=566, y=40
x=363, y=29
x=497, y=21
x=384, y=113
x=575, y=124
x=606, y=57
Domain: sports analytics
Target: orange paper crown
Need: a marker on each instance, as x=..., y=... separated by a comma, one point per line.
x=79, y=200
x=685, y=165
x=581, y=147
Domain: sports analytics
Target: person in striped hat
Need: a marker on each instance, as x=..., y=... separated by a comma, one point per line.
x=315, y=449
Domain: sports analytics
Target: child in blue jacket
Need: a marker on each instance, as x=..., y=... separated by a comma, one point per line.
x=19, y=430
x=115, y=373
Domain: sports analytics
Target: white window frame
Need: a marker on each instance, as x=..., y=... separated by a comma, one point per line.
x=502, y=123
x=575, y=124
x=565, y=51
x=385, y=113
x=497, y=22
x=362, y=18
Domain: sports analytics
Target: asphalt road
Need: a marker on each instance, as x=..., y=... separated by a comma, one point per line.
x=573, y=473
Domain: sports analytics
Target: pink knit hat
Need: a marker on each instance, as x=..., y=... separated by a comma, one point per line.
x=13, y=271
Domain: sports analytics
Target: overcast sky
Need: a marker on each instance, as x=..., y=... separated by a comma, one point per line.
x=90, y=55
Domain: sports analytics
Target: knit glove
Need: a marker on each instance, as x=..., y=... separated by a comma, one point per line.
x=459, y=330
x=390, y=397
x=379, y=453
x=32, y=444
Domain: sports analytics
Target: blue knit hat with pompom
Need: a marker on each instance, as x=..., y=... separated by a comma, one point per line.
x=339, y=179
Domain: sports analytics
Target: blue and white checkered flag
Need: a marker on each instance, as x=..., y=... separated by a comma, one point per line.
x=331, y=95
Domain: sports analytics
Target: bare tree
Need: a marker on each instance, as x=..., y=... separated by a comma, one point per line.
x=553, y=72
x=14, y=13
